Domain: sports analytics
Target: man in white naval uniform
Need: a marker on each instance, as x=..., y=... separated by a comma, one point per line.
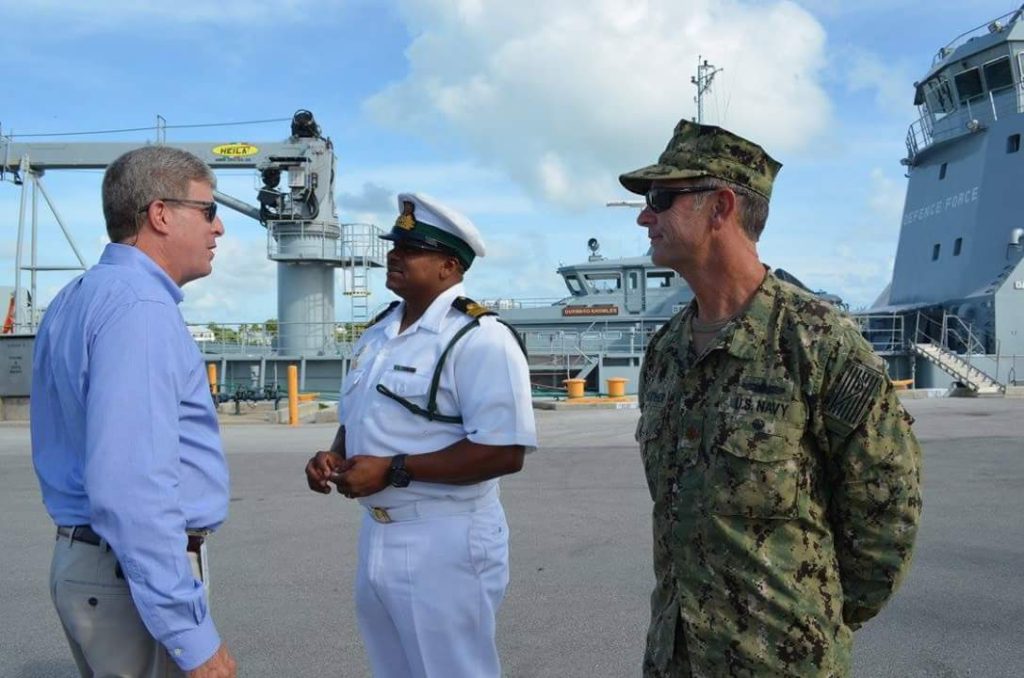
x=429, y=421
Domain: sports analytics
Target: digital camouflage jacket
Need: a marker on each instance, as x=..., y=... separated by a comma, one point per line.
x=786, y=486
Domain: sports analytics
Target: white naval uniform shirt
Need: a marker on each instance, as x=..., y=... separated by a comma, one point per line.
x=485, y=380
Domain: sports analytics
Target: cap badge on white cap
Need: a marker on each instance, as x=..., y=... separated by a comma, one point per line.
x=407, y=220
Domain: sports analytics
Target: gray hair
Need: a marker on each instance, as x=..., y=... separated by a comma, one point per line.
x=143, y=175
x=752, y=207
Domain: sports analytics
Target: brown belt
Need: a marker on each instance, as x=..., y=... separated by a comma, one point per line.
x=87, y=535
x=194, y=542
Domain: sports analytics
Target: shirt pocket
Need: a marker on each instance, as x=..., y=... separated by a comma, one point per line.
x=409, y=386
x=754, y=473
x=650, y=430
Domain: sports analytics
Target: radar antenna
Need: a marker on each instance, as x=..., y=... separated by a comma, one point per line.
x=705, y=75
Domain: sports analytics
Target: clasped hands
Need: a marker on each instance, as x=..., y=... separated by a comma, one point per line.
x=357, y=476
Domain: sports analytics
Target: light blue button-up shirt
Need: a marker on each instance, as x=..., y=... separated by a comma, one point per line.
x=125, y=437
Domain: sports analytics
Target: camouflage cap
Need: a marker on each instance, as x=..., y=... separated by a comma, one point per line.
x=707, y=151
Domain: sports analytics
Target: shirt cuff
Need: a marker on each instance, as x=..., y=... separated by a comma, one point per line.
x=529, y=442
x=189, y=649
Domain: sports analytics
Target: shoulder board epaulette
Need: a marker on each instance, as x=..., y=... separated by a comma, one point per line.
x=471, y=308
x=380, y=316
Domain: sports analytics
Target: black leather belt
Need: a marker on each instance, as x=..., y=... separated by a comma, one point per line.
x=87, y=535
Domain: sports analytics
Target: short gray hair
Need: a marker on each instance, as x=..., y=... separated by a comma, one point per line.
x=752, y=207
x=143, y=175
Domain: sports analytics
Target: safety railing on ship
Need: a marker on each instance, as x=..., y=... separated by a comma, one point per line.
x=984, y=29
x=273, y=338
x=971, y=115
x=597, y=338
x=884, y=331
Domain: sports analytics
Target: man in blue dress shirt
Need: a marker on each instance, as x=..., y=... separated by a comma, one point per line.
x=125, y=439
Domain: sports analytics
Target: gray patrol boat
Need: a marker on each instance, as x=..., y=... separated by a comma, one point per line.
x=600, y=330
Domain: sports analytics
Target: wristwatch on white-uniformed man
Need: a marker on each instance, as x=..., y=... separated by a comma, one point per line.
x=398, y=475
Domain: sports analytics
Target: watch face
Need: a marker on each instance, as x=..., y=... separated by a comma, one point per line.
x=399, y=477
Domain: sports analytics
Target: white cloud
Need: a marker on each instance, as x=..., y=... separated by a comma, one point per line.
x=564, y=96
x=242, y=287
x=855, y=272
x=886, y=200
x=367, y=194
x=890, y=81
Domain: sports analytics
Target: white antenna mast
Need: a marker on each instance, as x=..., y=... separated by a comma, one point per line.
x=705, y=75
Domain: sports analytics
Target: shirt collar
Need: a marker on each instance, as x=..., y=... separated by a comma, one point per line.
x=746, y=338
x=743, y=338
x=432, y=319
x=116, y=254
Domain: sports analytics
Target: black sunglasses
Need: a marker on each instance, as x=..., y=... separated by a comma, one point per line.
x=209, y=208
x=660, y=198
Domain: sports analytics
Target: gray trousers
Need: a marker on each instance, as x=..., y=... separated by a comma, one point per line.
x=95, y=606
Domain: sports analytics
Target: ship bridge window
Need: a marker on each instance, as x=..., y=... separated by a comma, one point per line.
x=998, y=74
x=659, y=279
x=604, y=282
x=1013, y=143
x=574, y=285
x=939, y=98
x=968, y=84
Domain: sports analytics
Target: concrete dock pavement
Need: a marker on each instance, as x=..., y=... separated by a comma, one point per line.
x=579, y=515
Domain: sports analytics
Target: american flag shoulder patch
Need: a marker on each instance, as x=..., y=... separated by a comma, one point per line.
x=851, y=397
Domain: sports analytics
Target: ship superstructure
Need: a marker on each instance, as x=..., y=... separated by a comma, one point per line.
x=600, y=330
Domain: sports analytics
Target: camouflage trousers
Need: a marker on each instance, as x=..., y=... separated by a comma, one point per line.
x=678, y=666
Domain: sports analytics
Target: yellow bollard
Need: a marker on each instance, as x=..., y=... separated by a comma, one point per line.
x=574, y=387
x=616, y=387
x=211, y=374
x=293, y=395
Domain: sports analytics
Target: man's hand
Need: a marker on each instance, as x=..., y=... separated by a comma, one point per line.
x=220, y=665
x=320, y=469
x=360, y=476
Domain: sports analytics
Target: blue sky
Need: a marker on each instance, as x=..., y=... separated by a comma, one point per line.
x=519, y=114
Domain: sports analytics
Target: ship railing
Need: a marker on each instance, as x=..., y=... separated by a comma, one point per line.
x=270, y=338
x=1015, y=373
x=347, y=245
x=884, y=331
x=950, y=332
x=501, y=304
x=984, y=29
x=971, y=116
x=597, y=338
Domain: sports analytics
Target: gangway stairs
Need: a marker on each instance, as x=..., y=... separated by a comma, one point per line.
x=960, y=369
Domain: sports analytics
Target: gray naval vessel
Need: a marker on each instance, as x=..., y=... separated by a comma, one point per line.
x=954, y=309
x=953, y=313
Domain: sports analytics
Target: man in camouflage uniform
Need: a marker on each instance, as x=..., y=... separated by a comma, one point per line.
x=784, y=473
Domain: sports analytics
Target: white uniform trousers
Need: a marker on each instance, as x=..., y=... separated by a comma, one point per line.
x=427, y=592
x=103, y=628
